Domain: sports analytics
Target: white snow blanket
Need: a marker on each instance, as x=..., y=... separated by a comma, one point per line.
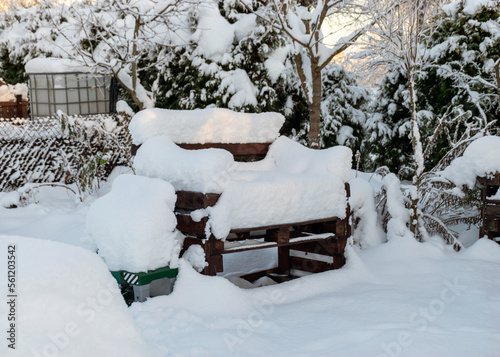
x=134, y=225
x=480, y=159
x=8, y=92
x=292, y=184
x=54, y=65
x=202, y=126
x=67, y=304
x=187, y=170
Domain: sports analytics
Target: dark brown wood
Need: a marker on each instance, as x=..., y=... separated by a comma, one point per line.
x=187, y=225
x=239, y=150
x=251, y=277
x=213, y=249
x=134, y=148
x=493, y=180
x=19, y=105
x=491, y=224
x=309, y=265
x=296, y=225
x=14, y=109
x=190, y=200
x=279, y=235
x=284, y=260
x=250, y=151
x=492, y=210
x=245, y=248
x=213, y=253
x=323, y=247
x=339, y=244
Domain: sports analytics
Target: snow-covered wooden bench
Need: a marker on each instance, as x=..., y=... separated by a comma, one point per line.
x=490, y=210
x=295, y=199
x=480, y=163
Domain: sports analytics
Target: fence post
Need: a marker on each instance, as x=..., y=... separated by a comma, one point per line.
x=19, y=106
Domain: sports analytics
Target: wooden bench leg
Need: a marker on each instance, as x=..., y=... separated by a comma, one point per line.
x=213, y=252
x=284, y=260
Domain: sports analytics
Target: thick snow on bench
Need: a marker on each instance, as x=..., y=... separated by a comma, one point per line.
x=292, y=184
x=267, y=198
x=480, y=159
x=134, y=225
x=68, y=303
x=201, y=126
x=187, y=170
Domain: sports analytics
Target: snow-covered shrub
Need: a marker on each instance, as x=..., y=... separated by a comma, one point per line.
x=113, y=141
x=366, y=229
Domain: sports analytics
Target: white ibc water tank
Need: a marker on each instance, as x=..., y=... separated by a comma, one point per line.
x=61, y=84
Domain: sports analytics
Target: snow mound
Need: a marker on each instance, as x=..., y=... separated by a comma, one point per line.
x=8, y=92
x=212, y=125
x=473, y=6
x=367, y=232
x=195, y=292
x=259, y=199
x=54, y=65
x=190, y=170
x=294, y=158
x=134, y=225
x=480, y=159
x=68, y=303
x=214, y=34
x=195, y=255
x=484, y=250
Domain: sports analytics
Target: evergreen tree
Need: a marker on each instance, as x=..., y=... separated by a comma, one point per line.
x=239, y=76
x=463, y=54
x=344, y=110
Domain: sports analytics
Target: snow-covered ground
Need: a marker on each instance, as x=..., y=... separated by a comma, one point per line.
x=401, y=298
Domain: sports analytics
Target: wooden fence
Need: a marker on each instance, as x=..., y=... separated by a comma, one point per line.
x=14, y=109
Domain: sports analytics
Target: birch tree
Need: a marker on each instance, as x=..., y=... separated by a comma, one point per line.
x=398, y=36
x=303, y=22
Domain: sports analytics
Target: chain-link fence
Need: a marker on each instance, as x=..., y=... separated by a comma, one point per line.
x=30, y=129
x=47, y=149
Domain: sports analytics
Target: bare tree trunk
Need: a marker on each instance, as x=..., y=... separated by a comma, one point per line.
x=134, y=56
x=315, y=106
x=418, y=157
x=497, y=76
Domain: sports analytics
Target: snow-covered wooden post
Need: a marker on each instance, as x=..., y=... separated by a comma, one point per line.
x=490, y=210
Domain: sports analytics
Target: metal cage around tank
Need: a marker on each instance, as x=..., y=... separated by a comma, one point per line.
x=74, y=93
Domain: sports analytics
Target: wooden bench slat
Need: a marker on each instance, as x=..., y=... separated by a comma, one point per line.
x=189, y=200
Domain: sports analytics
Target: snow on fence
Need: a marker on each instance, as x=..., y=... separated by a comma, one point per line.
x=39, y=150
